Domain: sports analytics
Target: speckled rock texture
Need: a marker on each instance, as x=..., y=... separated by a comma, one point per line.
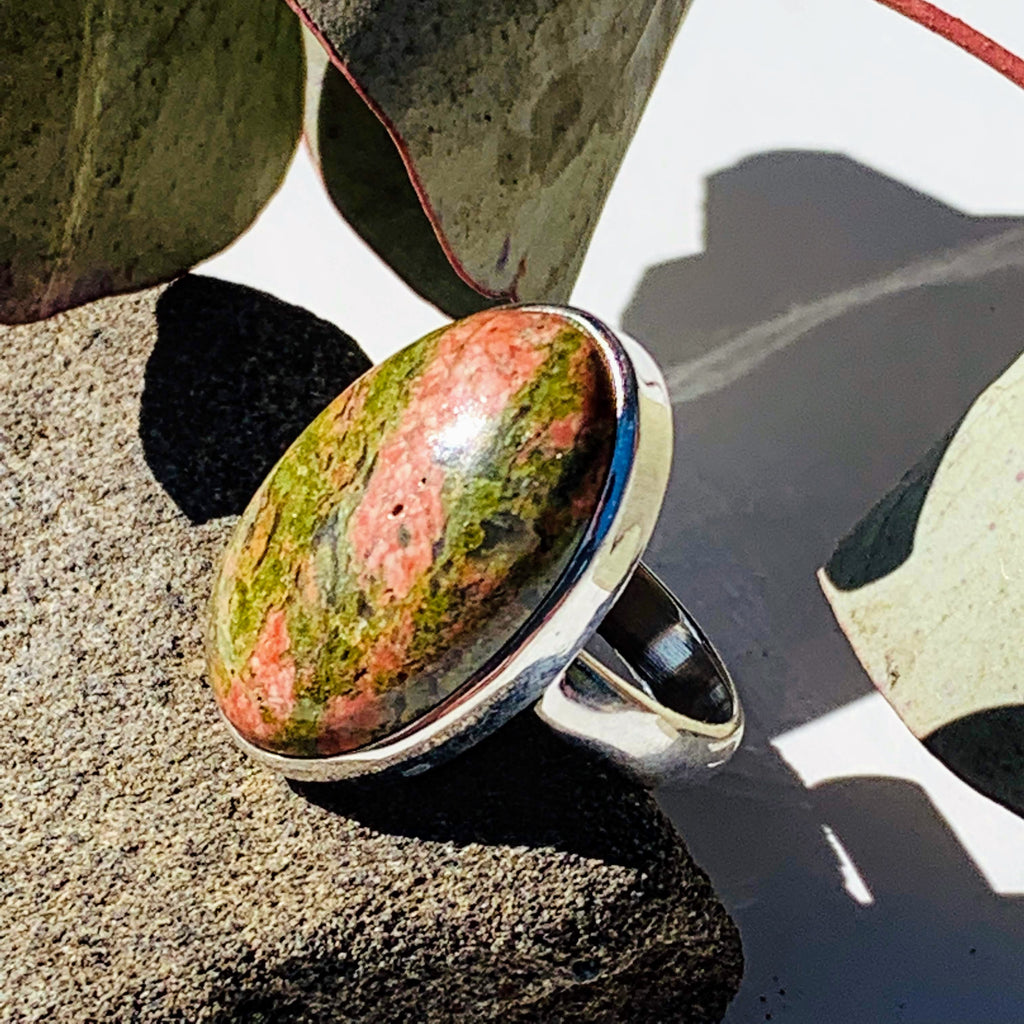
x=150, y=872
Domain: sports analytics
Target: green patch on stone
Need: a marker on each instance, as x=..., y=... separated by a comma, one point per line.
x=301, y=493
x=501, y=485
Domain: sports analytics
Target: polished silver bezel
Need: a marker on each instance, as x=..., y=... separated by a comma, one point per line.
x=556, y=632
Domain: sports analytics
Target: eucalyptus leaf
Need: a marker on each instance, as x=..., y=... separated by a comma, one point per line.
x=367, y=181
x=511, y=117
x=136, y=140
x=929, y=589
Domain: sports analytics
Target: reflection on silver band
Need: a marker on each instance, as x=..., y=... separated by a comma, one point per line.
x=675, y=710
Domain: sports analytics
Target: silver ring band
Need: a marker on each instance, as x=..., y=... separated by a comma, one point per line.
x=675, y=707
x=673, y=712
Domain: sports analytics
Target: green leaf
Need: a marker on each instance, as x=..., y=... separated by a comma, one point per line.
x=367, y=181
x=511, y=118
x=136, y=140
x=929, y=589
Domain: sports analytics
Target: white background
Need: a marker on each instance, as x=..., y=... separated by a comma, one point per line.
x=941, y=940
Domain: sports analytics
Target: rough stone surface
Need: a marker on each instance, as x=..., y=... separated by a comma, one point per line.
x=414, y=525
x=149, y=871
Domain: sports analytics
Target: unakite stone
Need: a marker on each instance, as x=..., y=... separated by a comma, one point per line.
x=410, y=531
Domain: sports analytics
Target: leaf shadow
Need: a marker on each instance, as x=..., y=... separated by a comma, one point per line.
x=926, y=939
x=986, y=749
x=776, y=457
x=786, y=228
x=884, y=539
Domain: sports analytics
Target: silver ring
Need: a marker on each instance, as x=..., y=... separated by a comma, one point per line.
x=310, y=570
x=671, y=712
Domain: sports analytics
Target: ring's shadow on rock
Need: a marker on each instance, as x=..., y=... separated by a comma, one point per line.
x=521, y=786
x=524, y=789
x=234, y=378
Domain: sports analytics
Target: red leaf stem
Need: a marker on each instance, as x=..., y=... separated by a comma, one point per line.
x=960, y=33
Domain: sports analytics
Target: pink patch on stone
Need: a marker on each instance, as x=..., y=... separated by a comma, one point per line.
x=261, y=701
x=273, y=675
x=399, y=518
x=349, y=721
x=479, y=364
x=243, y=711
x=563, y=433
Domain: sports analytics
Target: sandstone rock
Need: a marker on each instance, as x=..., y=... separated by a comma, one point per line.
x=149, y=871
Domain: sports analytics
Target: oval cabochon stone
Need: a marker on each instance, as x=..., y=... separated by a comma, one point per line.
x=410, y=530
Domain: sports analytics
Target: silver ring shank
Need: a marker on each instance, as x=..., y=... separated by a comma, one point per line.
x=675, y=711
